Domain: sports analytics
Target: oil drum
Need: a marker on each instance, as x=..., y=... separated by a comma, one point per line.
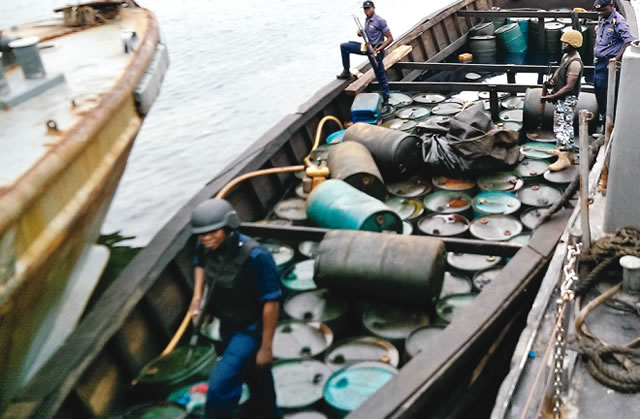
x=297, y=339
x=397, y=153
x=448, y=308
x=336, y=204
x=531, y=116
x=455, y=283
x=553, y=31
x=482, y=28
x=299, y=383
x=352, y=163
x=393, y=322
x=299, y=277
x=404, y=269
x=358, y=349
x=420, y=339
x=510, y=37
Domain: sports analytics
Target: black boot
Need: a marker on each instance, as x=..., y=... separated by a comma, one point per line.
x=345, y=75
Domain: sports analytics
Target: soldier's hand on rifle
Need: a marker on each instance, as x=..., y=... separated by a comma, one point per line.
x=359, y=33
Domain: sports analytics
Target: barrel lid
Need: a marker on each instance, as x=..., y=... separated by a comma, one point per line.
x=471, y=262
x=400, y=124
x=483, y=278
x=530, y=168
x=447, y=108
x=482, y=37
x=452, y=184
x=542, y=136
x=563, y=176
x=299, y=276
x=317, y=305
x=630, y=262
x=496, y=202
x=553, y=26
x=531, y=217
x=275, y=222
x=447, y=202
x=336, y=137
x=27, y=41
x=443, y=225
x=479, y=26
x=393, y=322
x=472, y=76
x=299, y=382
x=281, y=253
x=294, y=209
x=513, y=102
x=537, y=150
x=522, y=238
x=455, y=283
x=539, y=195
x=305, y=414
x=350, y=386
x=407, y=228
x=413, y=187
x=156, y=410
x=429, y=98
x=501, y=181
x=388, y=112
x=308, y=248
x=194, y=396
x=505, y=28
x=511, y=115
x=399, y=100
x=496, y=227
x=449, y=307
x=297, y=339
x=413, y=113
x=512, y=125
x=422, y=338
x=359, y=349
x=406, y=208
x=485, y=95
x=173, y=367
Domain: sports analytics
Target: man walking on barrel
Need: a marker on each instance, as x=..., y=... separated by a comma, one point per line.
x=380, y=37
x=565, y=85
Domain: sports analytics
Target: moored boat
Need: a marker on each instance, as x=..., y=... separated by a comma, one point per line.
x=74, y=92
x=134, y=319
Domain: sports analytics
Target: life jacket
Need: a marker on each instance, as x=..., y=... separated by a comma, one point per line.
x=560, y=77
x=233, y=289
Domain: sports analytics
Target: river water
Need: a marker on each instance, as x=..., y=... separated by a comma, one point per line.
x=237, y=68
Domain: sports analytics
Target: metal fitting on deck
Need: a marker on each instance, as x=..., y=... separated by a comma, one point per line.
x=28, y=56
x=630, y=274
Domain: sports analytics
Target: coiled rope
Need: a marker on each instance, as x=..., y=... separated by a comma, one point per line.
x=624, y=374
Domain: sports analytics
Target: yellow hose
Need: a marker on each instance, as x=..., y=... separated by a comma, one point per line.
x=225, y=190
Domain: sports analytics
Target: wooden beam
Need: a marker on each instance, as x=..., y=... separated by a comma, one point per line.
x=436, y=86
x=447, y=51
x=522, y=13
x=396, y=55
x=497, y=68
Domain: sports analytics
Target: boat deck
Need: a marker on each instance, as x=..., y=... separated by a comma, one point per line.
x=91, y=66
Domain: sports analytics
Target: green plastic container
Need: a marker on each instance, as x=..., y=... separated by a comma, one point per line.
x=510, y=37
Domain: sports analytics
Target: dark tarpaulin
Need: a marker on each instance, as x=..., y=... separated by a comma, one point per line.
x=468, y=144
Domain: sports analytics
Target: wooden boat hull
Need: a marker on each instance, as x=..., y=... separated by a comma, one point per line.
x=134, y=319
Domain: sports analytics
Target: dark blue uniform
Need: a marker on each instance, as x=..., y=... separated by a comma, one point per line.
x=611, y=36
x=242, y=281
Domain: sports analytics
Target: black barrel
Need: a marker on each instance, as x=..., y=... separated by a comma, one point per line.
x=396, y=153
x=395, y=268
x=531, y=111
x=483, y=48
x=352, y=163
x=553, y=31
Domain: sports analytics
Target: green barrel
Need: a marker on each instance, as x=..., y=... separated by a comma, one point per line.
x=292, y=209
x=450, y=307
x=350, y=386
x=388, y=267
x=157, y=410
x=299, y=383
x=297, y=339
x=399, y=100
x=413, y=113
x=523, y=24
x=421, y=339
x=167, y=373
x=308, y=248
x=511, y=115
x=483, y=48
x=351, y=162
x=336, y=204
x=362, y=348
x=495, y=202
x=299, y=277
x=510, y=37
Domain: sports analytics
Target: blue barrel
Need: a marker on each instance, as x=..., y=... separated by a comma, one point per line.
x=495, y=202
x=350, y=386
x=338, y=205
x=510, y=37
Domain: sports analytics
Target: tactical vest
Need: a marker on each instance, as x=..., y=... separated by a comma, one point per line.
x=233, y=289
x=560, y=77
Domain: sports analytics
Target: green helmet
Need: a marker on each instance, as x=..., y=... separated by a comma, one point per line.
x=213, y=214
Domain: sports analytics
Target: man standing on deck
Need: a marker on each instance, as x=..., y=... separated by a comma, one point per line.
x=243, y=292
x=380, y=37
x=566, y=89
x=612, y=38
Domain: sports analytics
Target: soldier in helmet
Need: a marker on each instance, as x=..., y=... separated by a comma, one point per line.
x=565, y=85
x=244, y=291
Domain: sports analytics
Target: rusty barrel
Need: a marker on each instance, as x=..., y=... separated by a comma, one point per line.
x=352, y=163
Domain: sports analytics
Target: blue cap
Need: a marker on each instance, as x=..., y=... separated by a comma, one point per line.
x=599, y=4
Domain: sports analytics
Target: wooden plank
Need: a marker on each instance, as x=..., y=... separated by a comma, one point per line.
x=433, y=86
x=452, y=48
x=362, y=83
x=499, y=68
x=487, y=14
x=441, y=37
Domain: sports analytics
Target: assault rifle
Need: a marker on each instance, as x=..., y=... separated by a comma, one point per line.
x=367, y=44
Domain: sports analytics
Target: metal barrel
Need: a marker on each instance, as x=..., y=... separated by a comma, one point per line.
x=483, y=278
x=500, y=181
x=448, y=308
x=482, y=28
x=352, y=163
x=553, y=32
x=362, y=348
x=282, y=254
x=584, y=49
x=298, y=339
x=539, y=195
x=531, y=111
x=471, y=262
x=495, y=227
x=444, y=225
x=495, y=202
x=336, y=204
x=483, y=48
x=455, y=283
x=299, y=277
x=320, y=306
x=510, y=37
x=350, y=386
x=28, y=56
x=305, y=414
x=393, y=322
x=299, y=383
x=396, y=153
x=420, y=339
x=404, y=269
